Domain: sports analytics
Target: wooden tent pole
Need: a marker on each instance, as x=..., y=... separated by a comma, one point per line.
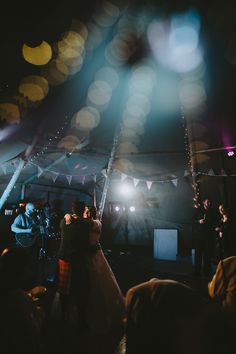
x=108, y=173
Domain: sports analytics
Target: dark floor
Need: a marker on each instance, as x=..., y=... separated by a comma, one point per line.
x=130, y=268
x=139, y=265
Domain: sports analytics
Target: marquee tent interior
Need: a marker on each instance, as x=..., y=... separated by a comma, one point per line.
x=138, y=93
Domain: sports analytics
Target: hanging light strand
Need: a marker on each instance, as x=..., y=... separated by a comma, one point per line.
x=51, y=141
x=189, y=154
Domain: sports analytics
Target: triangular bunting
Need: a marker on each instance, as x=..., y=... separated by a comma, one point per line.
x=175, y=182
x=136, y=181
x=54, y=176
x=149, y=184
x=211, y=172
x=69, y=178
x=186, y=173
x=40, y=171
x=123, y=177
x=104, y=172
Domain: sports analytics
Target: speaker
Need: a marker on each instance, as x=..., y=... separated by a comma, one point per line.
x=165, y=244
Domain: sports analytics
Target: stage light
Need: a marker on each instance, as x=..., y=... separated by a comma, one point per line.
x=132, y=209
x=126, y=190
x=230, y=153
x=117, y=208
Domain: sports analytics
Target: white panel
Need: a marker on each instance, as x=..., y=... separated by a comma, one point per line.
x=165, y=244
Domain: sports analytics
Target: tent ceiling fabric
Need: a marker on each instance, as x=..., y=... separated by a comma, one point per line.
x=75, y=165
x=104, y=73
x=11, y=149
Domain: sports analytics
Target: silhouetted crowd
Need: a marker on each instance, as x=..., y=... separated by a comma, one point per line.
x=85, y=311
x=214, y=236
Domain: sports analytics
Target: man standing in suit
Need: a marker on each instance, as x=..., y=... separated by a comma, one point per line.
x=205, y=221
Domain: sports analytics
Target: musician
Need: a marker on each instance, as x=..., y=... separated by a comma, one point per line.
x=26, y=222
x=205, y=222
x=44, y=216
x=26, y=228
x=56, y=215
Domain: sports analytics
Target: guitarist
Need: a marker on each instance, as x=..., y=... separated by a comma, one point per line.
x=26, y=223
x=26, y=227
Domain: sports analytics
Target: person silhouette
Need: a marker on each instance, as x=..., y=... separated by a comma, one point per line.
x=205, y=220
x=28, y=233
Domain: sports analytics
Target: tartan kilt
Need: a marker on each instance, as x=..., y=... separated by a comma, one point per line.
x=64, y=277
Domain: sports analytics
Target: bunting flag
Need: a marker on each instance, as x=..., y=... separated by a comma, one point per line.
x=4, y=168
x=82, y=179
x=40, y=171
x=186, y=173
x=123, y=177
x=211, y=172
x=54, y=176
x=84, y=168
x=175, y=182
x=149, y=184
x=104, y=172
x=136, y=181
x=69, y=178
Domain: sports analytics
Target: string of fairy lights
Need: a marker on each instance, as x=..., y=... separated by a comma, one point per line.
x=51, y=141
x=189, y=154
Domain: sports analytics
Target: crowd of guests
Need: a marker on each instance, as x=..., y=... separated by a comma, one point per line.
x=214, y=236
x=159, y=315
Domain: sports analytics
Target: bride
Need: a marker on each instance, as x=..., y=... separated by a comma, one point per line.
x=106, y=309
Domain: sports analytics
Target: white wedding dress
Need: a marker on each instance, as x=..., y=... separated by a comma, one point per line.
x=106, y=309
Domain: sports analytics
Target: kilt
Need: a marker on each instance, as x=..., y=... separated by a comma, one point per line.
x=64, y=277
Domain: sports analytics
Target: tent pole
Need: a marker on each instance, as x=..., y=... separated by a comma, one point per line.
x=22, y=163
x=189, y=137
x=108, y=172
x=22, y=196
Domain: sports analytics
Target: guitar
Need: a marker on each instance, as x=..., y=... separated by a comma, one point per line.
x=28, y=239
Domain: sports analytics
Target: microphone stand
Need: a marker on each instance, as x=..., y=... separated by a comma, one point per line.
x=42, y=252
